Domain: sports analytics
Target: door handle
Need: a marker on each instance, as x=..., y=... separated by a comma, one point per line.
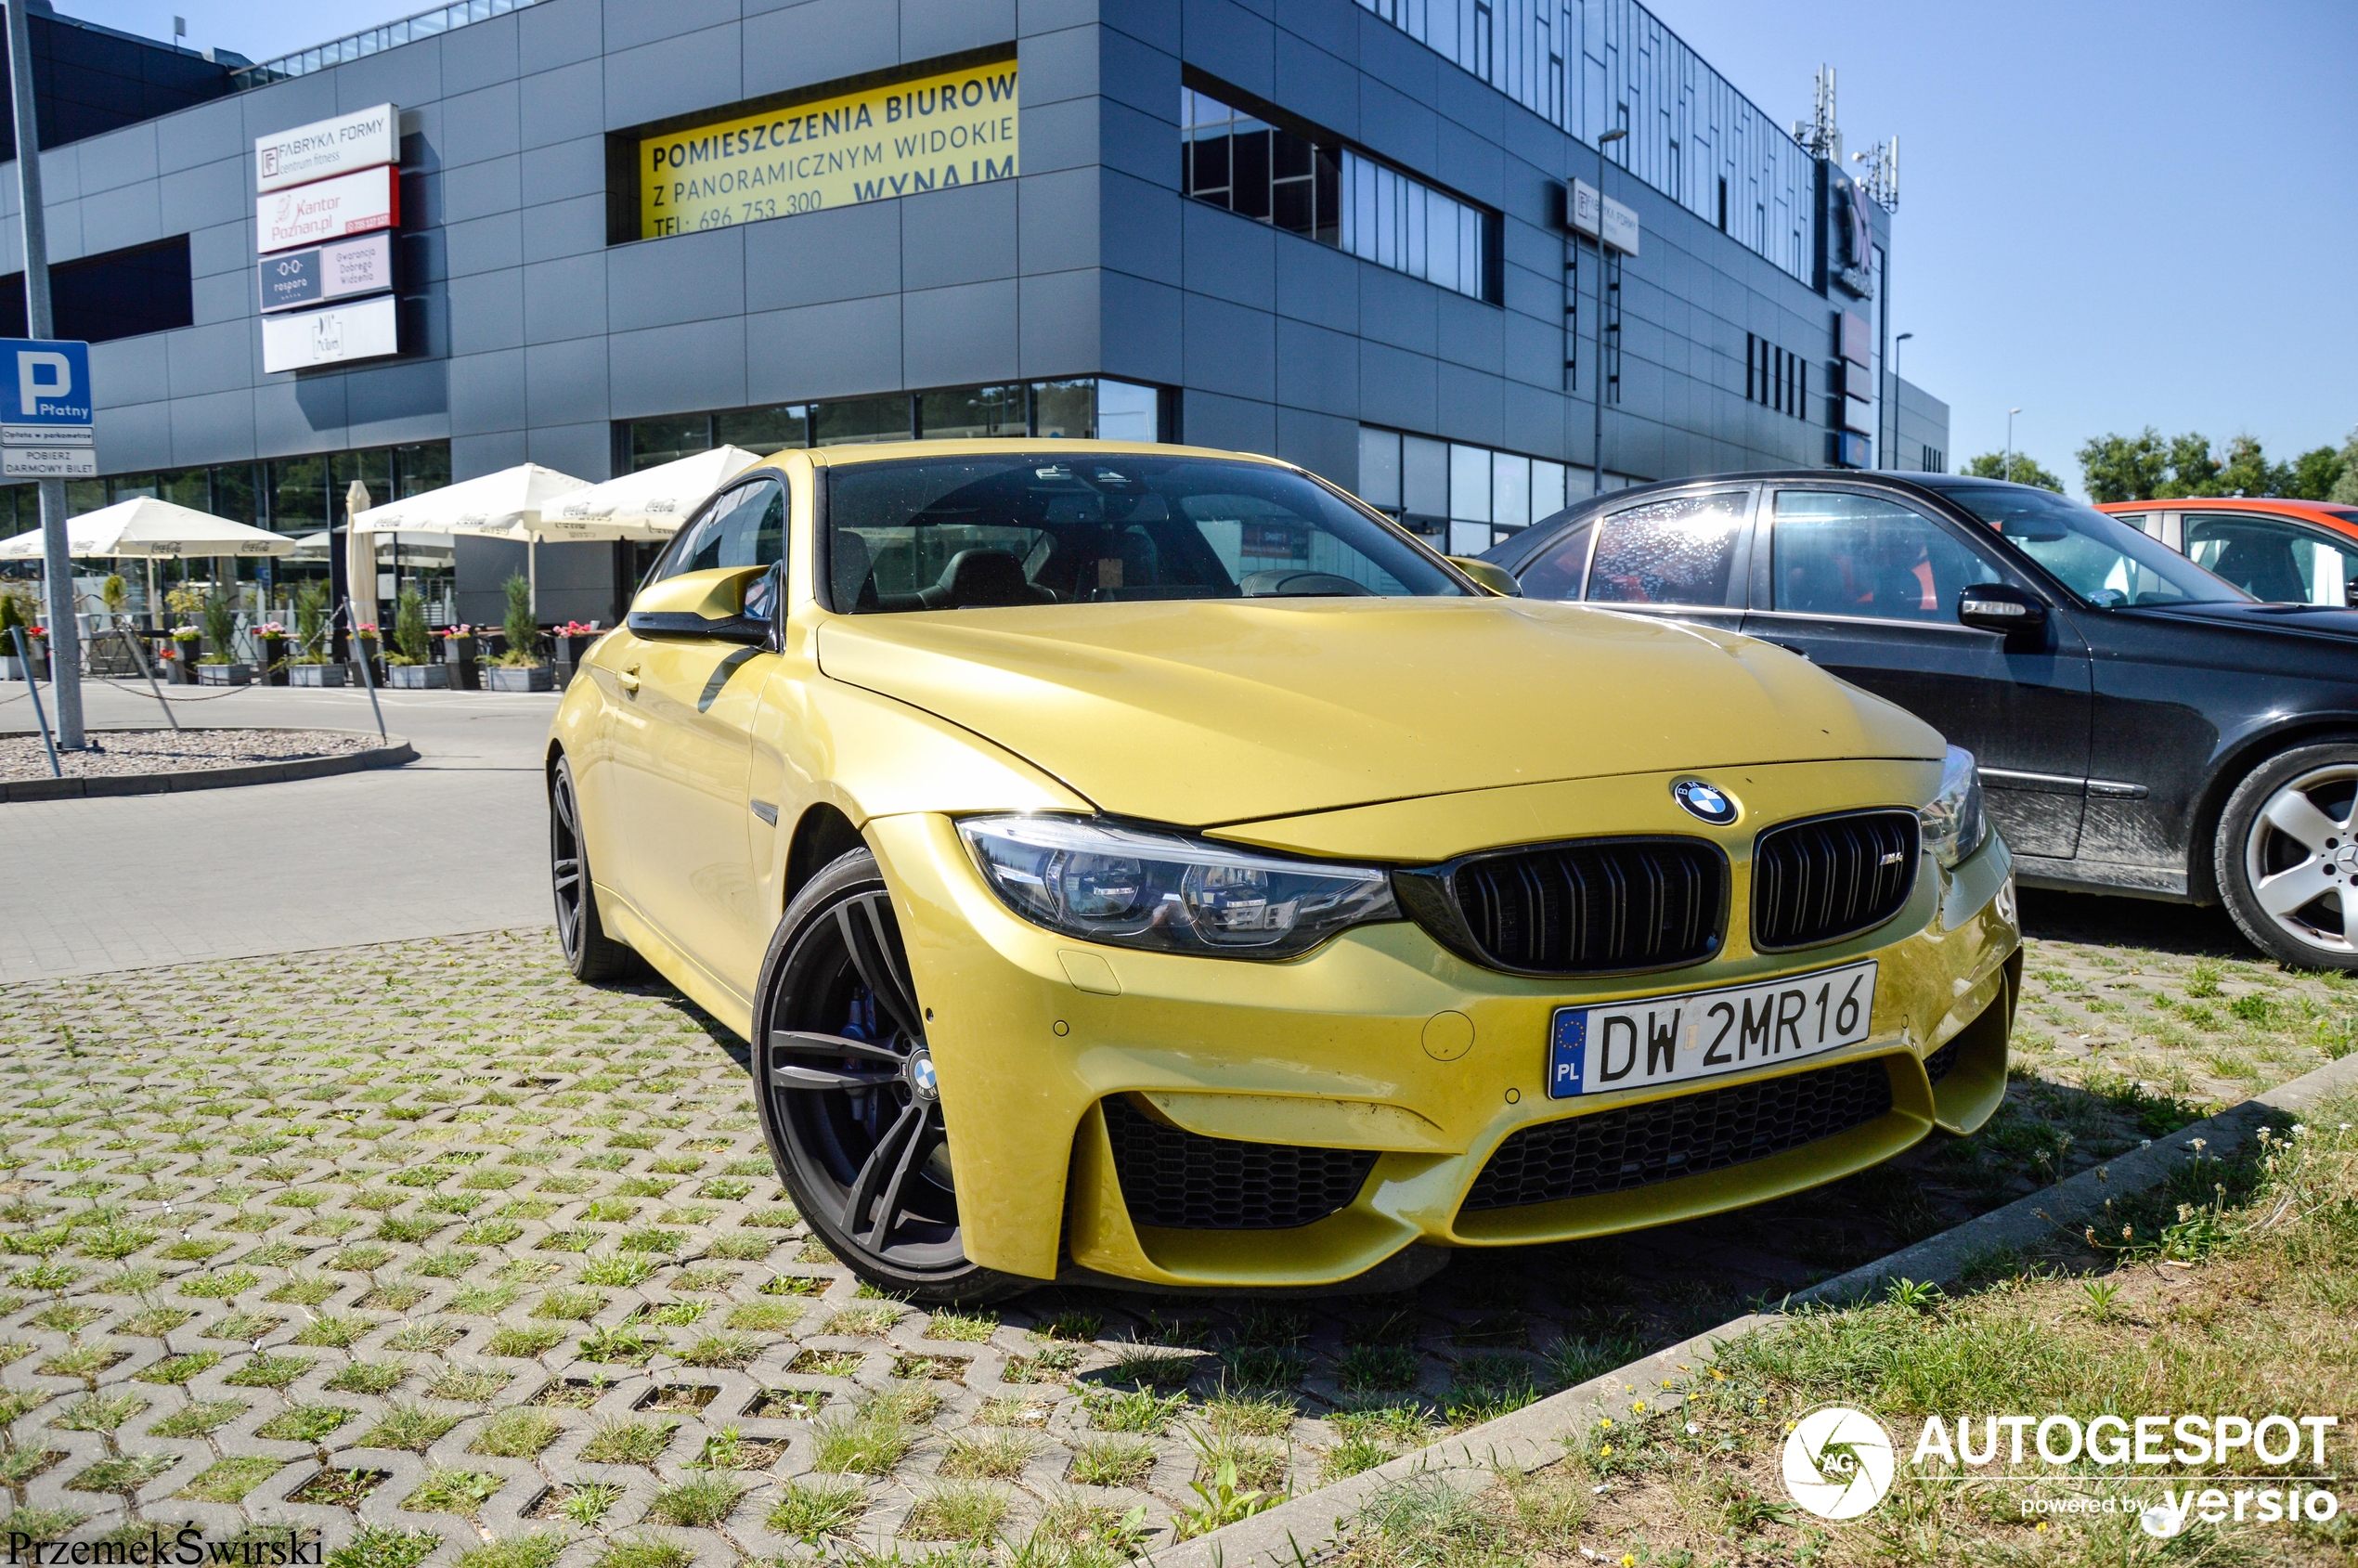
x=628, y=682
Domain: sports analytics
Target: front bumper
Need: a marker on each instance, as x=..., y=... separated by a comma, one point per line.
x=1382, y=1041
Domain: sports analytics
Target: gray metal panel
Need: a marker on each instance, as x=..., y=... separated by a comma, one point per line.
x=819, y=41
x=130, y=214
x=1315, y=85
x=1060, y=135
x=486, y=391
x=488, y=244
x=1317, y=369
x=1138, y=74
x=222, y=248
x=963, y=235
x=1230, y=349
x=681, y=75
x=408, y=76
x=843, y=254
x=472, y=457
x=1397, y=309
x=211, y=359
x=1062, y=320
x=633, y=23
x=1138, y=143
x=562, y=104
x=565, y=383
x=1319, y=284
x=226, y=296
x=1469, y=332
x=118, y=158
x=486, y=311
x=1234, y=44
x=959, y=335
x=479, y=55
x=1471, y=404
x=566, y=228
x=484, y=123
x=294, y=414
x=565, y=298
x=679, y=368
x=201, y=196
x=1153, y=21
x=217, y=427
x=586, y=451
x=686, y=278
x=566, y=169
x=494, y=186
x=1057, y=66
x=283, y=105
x=1398, y=388
x=405, y=401
x=1326, y=445
x=1228, y=257
x=134, y=437
x=203, y=134
x=836, y=350
x=1137, y=228
x=129, y=370
x=1058, y=224
x=559, y=32
x=930, y=27
x=1240, y=425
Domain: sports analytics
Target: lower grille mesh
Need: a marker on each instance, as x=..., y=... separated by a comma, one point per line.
x=1183, y=1181
x=1615, y=1151
x=1937, y=1065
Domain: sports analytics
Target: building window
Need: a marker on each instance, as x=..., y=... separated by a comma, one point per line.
x=1311, y=185
x=1936, y=461
x=1463, y=499
x=1082, y=409
x=118, y=295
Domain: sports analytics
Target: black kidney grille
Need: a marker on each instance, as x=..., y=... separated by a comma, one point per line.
x=1183, y=1181
x=1832, y=877
x=1571, y=908
x=1937, y=1065
x=1614, y=1151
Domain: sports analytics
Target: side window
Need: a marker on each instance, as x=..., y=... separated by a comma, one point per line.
x=746, y=526
x=1677, y=552
x=1555, y=571
x=2273, y=560
x=1840, y=553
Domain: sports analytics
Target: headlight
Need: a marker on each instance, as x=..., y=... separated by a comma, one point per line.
x=1954, y=826
x=1137, y=887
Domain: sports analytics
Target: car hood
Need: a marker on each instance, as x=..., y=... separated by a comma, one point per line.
x=2309, y=620
x=1221, y=711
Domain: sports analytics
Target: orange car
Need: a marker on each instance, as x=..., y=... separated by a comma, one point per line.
x=2287, y=551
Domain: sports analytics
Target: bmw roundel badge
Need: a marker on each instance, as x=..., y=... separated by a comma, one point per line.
x=1713, y=805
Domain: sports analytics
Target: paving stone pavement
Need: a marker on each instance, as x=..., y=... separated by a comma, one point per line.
x=428, y=1249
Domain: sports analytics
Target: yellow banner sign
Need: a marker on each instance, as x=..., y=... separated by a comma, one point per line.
x=956, y=128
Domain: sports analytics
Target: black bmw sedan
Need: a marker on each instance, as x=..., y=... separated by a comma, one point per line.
x=2143, y=727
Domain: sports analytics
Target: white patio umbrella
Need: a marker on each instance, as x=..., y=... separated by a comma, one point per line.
x=647, y=505
x=503, y=505
x=150, y=529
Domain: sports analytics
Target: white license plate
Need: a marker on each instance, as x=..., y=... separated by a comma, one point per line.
x=1704, y=1033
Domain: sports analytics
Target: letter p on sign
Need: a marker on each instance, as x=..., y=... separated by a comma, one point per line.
x=41, y=375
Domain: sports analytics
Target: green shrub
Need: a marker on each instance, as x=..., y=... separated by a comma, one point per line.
x=410, y=632
x=522, y=630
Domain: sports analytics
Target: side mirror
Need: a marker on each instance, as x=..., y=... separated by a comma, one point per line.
x=2001, y=608
x=1497, y=579
x=709, y=604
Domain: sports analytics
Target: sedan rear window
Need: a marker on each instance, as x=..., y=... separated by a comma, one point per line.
x=1064, y=528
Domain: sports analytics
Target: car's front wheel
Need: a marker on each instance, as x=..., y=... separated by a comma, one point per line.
x=849, y=1099
x=2288, y=856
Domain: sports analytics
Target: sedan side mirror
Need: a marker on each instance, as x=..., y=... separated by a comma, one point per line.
x=1496, y=579
x=2001, y=608
x=711, y=604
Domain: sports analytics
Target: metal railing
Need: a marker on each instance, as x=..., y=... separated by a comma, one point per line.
x=358, y=45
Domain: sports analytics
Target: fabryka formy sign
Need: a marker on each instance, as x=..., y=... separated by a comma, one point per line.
x=45, y=410
x=327, y=197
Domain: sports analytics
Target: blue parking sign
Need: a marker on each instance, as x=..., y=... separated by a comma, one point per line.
x=43, y=383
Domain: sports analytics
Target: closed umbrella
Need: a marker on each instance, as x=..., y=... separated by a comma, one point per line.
x=501, y=505
x=649, y=504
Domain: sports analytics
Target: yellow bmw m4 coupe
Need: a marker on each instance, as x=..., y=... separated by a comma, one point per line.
x=1147, y=864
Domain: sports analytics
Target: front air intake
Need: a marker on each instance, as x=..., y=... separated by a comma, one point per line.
x=1830, y=877
x=1587, y=907
x=1180, y=1180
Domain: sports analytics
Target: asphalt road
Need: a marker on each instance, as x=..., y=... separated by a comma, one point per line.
x=447, y=843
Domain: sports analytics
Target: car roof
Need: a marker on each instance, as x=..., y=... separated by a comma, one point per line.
x=2340, y=518
x=885, y=451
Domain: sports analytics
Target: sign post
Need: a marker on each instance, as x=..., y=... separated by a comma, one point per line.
x=38, y=381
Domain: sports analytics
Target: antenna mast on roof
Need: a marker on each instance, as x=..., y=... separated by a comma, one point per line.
x=1819, y=136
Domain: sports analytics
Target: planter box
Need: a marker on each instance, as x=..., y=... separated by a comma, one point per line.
x=458, y=655
x=417, y=677
x=225, y=675
x=274, y=661
x=11, y=667
x=507, y=677
x=318, y=674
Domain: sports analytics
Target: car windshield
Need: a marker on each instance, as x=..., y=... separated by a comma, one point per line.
x=2101, y=558
x=1068, y=527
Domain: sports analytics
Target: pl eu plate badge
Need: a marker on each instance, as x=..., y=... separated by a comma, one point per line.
x=1567, y=1053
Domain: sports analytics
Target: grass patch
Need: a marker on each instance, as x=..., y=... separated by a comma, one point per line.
x=378, y=1546
x=869, y=1439
x=408, y=1426
x=200, y=1418
x=304, y=1423
x=524, y=1343
x=539, y=1550
x=517, y=1433
x=698, y=1502
x=988, y=1456
x=370, y=1377
x=1112, y=1462
x=956, y=1512
x=629, y=1441
x=462, y=1492
x=813, y=1511
x=229, y=1480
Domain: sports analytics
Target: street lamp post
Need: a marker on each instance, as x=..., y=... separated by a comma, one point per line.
x=2006, y=463
x=1597, y=429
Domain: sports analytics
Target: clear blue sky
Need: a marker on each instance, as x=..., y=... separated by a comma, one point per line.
x=2112, y=213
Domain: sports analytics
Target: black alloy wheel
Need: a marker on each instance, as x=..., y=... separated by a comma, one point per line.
x=591, y=954
x=849, y=1102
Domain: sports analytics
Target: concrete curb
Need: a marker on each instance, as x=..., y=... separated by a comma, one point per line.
x=1305, y=1528
x=393, y=751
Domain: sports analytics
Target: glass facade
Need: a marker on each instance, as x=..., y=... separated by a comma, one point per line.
x=1463, y=499
x=1590, y=66
x=1320, y=190
x=1091, y=409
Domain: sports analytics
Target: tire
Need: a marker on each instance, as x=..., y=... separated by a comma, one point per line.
x=594, y=957
x=2287, y=856
x=847, y=1093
